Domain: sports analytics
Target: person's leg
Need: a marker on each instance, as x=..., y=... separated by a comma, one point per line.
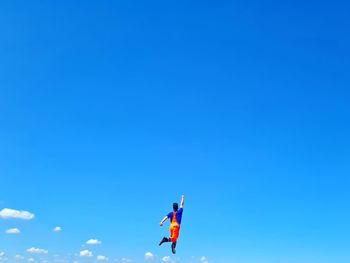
x=165, y=239
x=174, y=237
x=173, y=246
x=174, y=233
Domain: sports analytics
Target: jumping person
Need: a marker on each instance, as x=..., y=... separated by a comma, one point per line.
x=175, y=218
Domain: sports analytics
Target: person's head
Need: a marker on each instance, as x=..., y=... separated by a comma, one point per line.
x=175, y=206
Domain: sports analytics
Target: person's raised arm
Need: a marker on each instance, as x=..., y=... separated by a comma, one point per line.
x=182, y=201
x=164, y=219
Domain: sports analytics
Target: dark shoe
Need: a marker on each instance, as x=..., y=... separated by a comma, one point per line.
x=173, y=246
x=163, y=240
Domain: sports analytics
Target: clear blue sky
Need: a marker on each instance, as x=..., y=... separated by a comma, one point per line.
x=110, y=110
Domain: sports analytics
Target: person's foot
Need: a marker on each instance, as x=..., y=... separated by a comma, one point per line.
x=163, y=240
x=173, y=246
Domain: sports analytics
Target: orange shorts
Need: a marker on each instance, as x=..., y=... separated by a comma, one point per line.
x=174, y=232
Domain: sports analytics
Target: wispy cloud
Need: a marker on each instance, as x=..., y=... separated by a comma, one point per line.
x=13, y=231
x=86, y=253
x=19, y=257
x=57, y=229
x=166, y=259
x=34, y=250
x=93, y=242
x=149, y=256
x=204, y=259
x=102, y=258
x=8, y=213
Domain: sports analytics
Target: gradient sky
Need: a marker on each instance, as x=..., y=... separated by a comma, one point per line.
x=110, y=110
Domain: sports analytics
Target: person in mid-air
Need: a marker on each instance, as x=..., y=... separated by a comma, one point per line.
x=175, y=218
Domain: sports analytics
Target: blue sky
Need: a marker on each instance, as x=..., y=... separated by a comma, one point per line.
x=110, y=110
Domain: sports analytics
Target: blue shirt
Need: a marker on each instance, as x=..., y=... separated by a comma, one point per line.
x=178, y=215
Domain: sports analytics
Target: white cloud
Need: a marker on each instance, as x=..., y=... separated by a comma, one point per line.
x=31, y=260
x=2, y=258
x=7, y=213
x=93, y=242
x=102, y=258
x=19, y=257
x=57, y=229
x=204, y=259
x=13, y=231
x=149, y=256
x=85, y=253
x=34, y=250
x=166, y=259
